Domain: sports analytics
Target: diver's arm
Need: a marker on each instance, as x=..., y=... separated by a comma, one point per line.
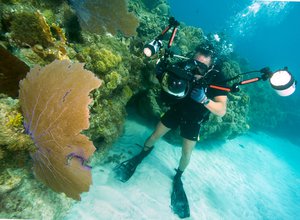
x=217, y=106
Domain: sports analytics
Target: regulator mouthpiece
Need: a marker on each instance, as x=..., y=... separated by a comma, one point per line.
x=283, y=82
x=152, y=48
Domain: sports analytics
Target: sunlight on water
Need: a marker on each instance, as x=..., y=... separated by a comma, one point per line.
x=252, y=9
x=279, y=0
x=245, y=21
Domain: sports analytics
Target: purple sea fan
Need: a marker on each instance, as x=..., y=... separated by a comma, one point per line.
x=54, y=101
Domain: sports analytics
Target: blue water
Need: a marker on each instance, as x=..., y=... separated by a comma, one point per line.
x=266, y=35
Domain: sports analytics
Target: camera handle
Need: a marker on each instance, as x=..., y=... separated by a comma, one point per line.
x=172, y=24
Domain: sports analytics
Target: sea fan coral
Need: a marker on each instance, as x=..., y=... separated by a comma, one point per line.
x=54, y=102
x=105, y=16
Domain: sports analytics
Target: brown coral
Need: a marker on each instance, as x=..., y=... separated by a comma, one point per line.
x=107, y=16
x=54, y=101
x=31, y=28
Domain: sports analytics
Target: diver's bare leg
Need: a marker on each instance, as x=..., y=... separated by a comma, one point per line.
x=159, y=131
x=179, y=201
x=186, y=152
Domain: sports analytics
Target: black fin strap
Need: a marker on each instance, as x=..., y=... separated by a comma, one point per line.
x=143, y=154
x=178, y=174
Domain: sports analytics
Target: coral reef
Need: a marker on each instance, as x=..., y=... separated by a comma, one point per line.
x=162, y=9
x=22, y=196
x=120, y=71
x=9, y=181
x=231, y=68
x=54, y=102
x=52, y=31
x=103, y=60
x=106, y=56
x=153, y=4
x=264, y=107
x=25, y=32
x=102, y=16
x=188, y=38
x=13, y=141
x=28, y=29
x=234, y=123
x=118, y=61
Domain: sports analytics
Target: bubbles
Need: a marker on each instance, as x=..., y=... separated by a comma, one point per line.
x=252, y=9
x=269, y=12
x=217, y=37
x=221, y=44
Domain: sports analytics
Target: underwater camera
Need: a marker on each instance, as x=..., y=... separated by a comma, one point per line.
x=178, y=81
x=178, y=78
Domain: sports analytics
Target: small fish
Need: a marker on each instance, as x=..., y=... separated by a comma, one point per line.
x=242, y=146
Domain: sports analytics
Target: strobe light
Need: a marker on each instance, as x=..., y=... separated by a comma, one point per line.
x=152, y=48
x=283, y=82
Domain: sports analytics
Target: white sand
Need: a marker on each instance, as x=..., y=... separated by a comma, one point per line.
x=255, y=176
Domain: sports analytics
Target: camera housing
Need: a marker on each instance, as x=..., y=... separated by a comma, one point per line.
x=179, y=78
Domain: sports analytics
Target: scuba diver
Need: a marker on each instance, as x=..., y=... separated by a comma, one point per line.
x=194, y=88
x=194, y=102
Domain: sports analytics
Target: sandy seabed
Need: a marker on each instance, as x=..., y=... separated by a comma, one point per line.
x=255, y=176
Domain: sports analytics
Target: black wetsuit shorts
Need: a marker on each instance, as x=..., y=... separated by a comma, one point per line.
x=189, y=129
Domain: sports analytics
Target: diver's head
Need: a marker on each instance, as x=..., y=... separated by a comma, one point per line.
x=205, y=54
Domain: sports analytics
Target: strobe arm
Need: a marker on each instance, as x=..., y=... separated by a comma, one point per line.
x=172, y=24
x=236, y=86
x=266, y=74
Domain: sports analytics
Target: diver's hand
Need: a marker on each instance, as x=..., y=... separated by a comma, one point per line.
x=198, y=95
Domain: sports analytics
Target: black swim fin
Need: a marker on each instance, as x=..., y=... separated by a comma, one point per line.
x=179, y=201
x=126, y=169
